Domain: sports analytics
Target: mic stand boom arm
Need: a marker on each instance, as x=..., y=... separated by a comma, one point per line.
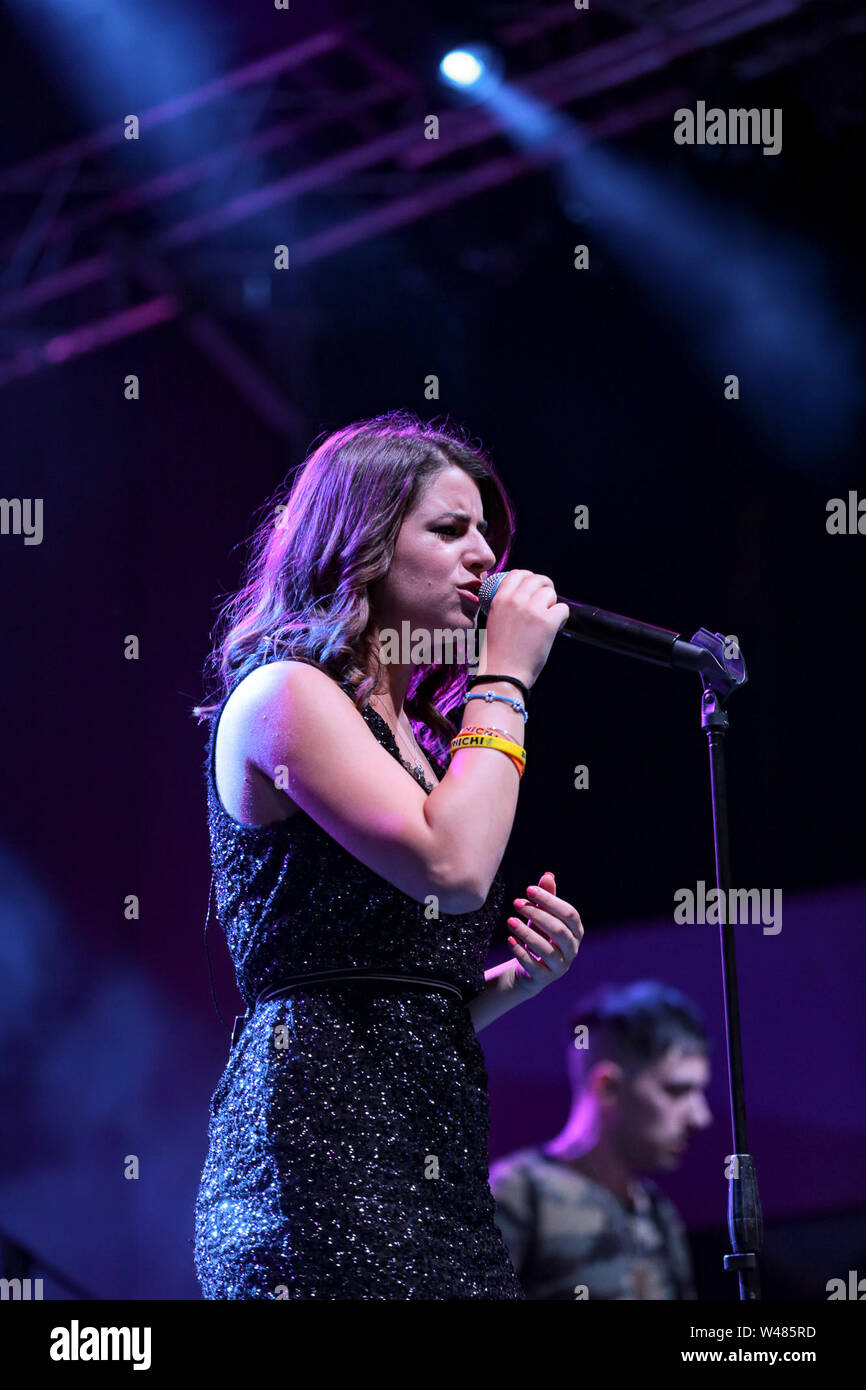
x=711, y=656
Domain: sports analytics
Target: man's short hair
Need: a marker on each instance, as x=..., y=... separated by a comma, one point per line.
x=633, y=1025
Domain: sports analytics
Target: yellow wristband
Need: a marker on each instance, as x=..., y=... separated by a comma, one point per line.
x=488, y=741
x=507, y=746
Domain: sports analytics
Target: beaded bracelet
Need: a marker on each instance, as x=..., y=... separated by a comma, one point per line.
x=490, y=697
x=509, y=680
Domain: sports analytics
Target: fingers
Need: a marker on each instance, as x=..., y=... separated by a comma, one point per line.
x=532, y=969
x=546, y=904
x=529, y=580
x=556, y=925
x=540, y=944
x=546, y=901
x=548, y=946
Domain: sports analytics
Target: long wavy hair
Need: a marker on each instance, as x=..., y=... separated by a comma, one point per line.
x=327, y=534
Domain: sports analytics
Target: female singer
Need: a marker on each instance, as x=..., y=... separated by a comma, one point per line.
x=356, y=869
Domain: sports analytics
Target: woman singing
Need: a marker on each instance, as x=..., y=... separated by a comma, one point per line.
x=356, y=870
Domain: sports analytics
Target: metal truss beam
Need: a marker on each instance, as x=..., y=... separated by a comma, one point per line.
x=672, y=32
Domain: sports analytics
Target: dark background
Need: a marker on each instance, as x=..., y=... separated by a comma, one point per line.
x=584, y=388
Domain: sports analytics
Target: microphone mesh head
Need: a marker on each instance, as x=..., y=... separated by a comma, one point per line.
x=488, y=589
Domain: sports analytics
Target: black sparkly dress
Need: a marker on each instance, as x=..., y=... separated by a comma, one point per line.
x=351, y=1161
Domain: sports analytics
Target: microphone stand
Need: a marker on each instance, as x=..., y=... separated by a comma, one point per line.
x=745, y=1220
x=719, y=664
x=721, y=668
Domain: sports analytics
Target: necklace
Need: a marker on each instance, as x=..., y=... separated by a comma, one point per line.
x=412, y=758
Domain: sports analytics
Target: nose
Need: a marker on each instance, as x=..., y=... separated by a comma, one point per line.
x=702, y=1115
x=478, y=554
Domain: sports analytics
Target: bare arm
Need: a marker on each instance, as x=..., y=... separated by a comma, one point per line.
x=448, y=844
x=497, y=996
x=298, y=724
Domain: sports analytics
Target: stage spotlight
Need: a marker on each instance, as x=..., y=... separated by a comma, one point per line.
x=472, y=70
x=461, y=68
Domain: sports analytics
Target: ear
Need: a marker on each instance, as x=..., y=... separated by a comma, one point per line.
x=607, y=1079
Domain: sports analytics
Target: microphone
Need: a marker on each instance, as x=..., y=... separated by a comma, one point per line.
x=708, y=654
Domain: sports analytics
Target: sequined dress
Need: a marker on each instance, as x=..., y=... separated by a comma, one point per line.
x=350, y=1161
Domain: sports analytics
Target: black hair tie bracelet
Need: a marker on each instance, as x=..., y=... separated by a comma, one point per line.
x=511, y=680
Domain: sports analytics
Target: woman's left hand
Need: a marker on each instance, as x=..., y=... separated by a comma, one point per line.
x=553, y=935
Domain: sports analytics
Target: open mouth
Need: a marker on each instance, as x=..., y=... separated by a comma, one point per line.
x=469, y=594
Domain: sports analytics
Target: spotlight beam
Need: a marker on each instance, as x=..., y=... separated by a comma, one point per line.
x=401, y=212
x=706, y=23
x=30, y=172
x=613, y=65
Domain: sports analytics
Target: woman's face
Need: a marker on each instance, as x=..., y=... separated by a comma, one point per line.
x=440, y=548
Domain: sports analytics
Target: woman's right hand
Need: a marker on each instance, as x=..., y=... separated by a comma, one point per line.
x=523, y=620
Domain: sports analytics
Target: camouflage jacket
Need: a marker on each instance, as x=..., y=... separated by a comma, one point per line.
x=571, y=1238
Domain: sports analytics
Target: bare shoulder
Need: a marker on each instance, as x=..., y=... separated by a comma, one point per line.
x=281, y=685
x=302, y=733
x=277, y=682
x=300, y=675
x=288, y=704
x=273, y=710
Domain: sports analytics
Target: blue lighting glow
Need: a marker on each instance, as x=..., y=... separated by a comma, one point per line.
x=462, y=68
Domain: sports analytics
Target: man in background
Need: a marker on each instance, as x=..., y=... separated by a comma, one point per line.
x=577, y=1219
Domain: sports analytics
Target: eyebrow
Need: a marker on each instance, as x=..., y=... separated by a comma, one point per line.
x=483, y=526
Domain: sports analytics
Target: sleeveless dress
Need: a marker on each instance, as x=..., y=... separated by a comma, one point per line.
x=351, y=1160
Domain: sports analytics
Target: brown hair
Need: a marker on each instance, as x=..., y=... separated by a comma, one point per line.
x=326, y=536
